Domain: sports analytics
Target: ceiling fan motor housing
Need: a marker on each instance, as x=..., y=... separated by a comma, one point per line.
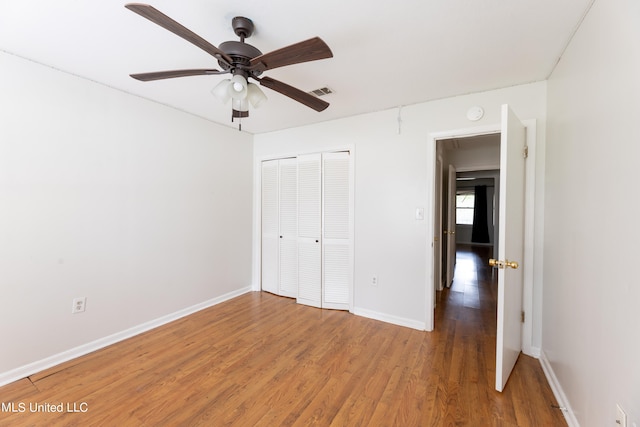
x=240, y=52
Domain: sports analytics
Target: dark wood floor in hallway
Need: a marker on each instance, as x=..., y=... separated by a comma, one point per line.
x=263, y=360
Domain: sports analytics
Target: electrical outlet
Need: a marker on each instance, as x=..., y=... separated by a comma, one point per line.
x=79, y=305
x=621, y=417
x=374, y=280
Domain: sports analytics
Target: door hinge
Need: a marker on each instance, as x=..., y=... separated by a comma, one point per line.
x=525, y=152
x=522, y=316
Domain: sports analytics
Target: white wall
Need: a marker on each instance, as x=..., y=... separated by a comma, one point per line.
x=391, y=175
x=591, y=335
x=143, y=209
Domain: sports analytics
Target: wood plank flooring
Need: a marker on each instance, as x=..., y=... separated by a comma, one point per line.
x=263, y=360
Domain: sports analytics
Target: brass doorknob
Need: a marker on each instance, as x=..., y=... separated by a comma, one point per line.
x=503, y=264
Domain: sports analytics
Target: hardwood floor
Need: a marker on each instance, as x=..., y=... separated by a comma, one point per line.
x=263, y=360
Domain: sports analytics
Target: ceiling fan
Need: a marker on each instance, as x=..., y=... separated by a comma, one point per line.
x=242, y=60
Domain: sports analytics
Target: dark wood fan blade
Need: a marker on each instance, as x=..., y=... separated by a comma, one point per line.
x=294, y=93
x=157, y=17
x=308, y=50
x=159, y=75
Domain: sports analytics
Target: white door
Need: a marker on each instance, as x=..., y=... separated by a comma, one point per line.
x=288, y=226
x=437, y=239
x=336, y=234
x=309, y=230
x=450, y=232
x=510, y=244
x=270, y=224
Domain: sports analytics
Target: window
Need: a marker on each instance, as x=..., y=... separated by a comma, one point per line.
x=465, y=201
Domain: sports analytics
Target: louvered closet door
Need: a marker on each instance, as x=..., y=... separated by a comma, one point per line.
x=336, y=242
x=309, y=231
x=288, y=238
x=270, y=225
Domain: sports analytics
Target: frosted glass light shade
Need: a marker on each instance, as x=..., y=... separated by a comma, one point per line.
x=255, y=95
x=221, y=91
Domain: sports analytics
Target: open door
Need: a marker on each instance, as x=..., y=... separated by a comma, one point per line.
x=437, y=242
x=450, y=232
x=510, y=245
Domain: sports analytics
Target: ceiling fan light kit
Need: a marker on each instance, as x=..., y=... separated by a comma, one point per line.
x=242, y=61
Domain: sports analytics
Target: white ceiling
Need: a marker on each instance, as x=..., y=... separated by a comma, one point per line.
x=386, y=54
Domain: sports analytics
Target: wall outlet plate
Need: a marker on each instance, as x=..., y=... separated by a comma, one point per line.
x=79, y=305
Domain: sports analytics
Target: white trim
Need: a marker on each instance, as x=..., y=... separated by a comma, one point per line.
x=557, y=390
x=387, y=318
x=81, y=350
x=529, y=237
x=534, y=352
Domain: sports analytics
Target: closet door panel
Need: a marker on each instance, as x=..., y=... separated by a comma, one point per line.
x=288, y=225
x=336, y=276
x=270, y=236
x=336, y=203
x=309, y=230
x=309, y=273
x=309, y=192
x=336, y=195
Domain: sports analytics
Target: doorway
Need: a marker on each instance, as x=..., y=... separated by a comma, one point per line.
x=515, y=230
x=468, y=172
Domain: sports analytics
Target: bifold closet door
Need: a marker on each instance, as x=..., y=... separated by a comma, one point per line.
x=279, y=227
x=309, y=230
x=336, y=220
x=324, y=243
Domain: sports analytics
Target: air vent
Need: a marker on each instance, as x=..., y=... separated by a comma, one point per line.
x=322, y=91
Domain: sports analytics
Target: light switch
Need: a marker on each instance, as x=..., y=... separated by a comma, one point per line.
x=419, y=214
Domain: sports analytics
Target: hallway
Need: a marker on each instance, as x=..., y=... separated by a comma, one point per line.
x=474, y=287
x=466, y=316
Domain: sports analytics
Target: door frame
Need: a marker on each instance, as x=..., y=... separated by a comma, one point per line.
x=529, y=248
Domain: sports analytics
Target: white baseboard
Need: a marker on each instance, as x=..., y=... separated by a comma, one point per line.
x=65, y=356
x=532, y=351
x=558, y=392
x=400, y=321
